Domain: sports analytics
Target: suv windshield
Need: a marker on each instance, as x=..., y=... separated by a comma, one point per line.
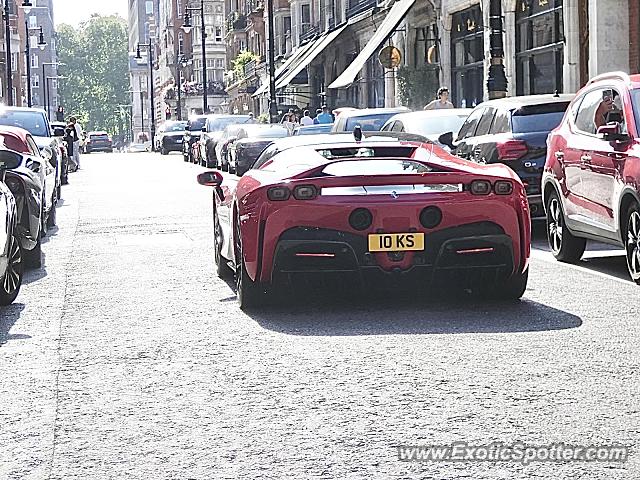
x=196, y=124
x=538, y=118
x=31, y=120
x=176, y=127
x=219, y=124
x=371, y=123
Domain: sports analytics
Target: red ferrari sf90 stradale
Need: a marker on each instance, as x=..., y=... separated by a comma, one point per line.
x=372, y=207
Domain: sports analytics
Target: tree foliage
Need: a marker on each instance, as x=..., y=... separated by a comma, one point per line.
x=241, y=60
x=417, y=86
x=96, y=59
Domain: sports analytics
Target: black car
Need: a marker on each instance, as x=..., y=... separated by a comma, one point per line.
x=98, y=142
x=170, y=137
x=512, y=131
x=212, y=133
x=192, y=134
x=251, y=141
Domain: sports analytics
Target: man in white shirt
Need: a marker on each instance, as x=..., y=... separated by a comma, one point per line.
x=306, y=119
x=76, y=144
x=442, y=101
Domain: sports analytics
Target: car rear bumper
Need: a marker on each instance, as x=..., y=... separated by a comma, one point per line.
x=466, y=256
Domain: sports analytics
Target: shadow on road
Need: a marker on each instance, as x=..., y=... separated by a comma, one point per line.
x=313, y=314
x=9, y=315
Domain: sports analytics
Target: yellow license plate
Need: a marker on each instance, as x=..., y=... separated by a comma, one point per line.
x=396, y=242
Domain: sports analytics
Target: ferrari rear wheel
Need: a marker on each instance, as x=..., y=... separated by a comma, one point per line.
x=222, y=269
x=12, y=280
x=513, y=288
x=564, y=246
x=250, y=294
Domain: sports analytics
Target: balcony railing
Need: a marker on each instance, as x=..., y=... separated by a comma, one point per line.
x=308, y=32
x=235, y=22
x=195, y=89
x=357, y=6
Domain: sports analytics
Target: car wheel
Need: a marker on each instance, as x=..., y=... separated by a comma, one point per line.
x=163, y=151
x=51, y=218
x=511, y=289
x=250, y=294
x=565, y=247
x=222, y=269
x=632, y=245
x=33, y=257
x=43, y=222
x=12, y=280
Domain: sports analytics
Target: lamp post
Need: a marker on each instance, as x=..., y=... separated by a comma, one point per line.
x=182, y=63
x=273, y=105
x=152, y=117
x=497, y=81
x=47, y=105
x=187, y=27
x=7, y=34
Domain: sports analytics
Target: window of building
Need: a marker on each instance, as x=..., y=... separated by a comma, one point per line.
x=467, y=57
x=34, y=61
x=180, y=43
x=33, y=21
x=33, y=41
x=35, y=81
x=149, y=7
x=218, y=34
x=539, y=46
x=305, y=17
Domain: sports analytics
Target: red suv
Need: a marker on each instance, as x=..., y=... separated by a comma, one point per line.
x=592, y=172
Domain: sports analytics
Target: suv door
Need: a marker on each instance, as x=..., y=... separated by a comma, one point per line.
x=464, y=147
x=483, y=142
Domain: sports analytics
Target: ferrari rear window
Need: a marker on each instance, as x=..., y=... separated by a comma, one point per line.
x=334, y=153
x=374, y=167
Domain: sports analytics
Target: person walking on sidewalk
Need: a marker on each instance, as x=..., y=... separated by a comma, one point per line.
x=441, y=102
x=76, y=144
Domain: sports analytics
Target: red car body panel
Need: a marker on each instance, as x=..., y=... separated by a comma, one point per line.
x=15, y=138
x=262, y=222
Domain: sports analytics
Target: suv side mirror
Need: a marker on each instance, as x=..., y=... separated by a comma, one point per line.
x=447, y=139
x=204, y=129
x=612, y=132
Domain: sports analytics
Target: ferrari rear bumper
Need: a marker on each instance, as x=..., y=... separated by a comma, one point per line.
x=465, y=255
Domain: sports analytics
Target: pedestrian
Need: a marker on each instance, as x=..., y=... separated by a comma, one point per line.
x=251, y=119
x=60, y=114
x=441, y=102
x=70, y=137
x=306, y=119
x=325, y=117
x=76, y=143
x=318, y=112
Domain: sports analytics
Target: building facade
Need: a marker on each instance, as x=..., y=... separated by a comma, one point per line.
x=17, y=59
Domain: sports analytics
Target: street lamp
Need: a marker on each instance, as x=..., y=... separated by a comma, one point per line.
x=26, y=7
x=497, y=80
x=187, y=27
x=7, y=34
x=149, y=47
x=184, y=62
x=46, y=92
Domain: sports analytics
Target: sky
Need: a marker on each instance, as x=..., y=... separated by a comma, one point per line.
x=76, y=11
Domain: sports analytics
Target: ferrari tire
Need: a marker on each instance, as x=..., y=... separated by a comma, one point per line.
x=564, y=246
x=511, y=289
x=33, y=258
x=12, y=279
x=222, y=269
x=250, y=293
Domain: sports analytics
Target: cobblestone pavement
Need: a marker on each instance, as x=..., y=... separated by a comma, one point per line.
x=126, y=358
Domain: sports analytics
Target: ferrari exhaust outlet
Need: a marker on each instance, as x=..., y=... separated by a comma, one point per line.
x=360, y=219
x=430, y=217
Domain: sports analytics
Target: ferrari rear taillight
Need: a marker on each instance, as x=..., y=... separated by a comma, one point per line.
x=305, y=192
x=511, y=150
x=480, y=187
x=503, y=187
x=278, y=194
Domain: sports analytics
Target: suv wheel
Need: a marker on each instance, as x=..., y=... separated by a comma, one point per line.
x=632, y=245
x=564, y=246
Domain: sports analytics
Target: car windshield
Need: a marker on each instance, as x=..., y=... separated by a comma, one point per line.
x=538, y=118
x=435, y=125
x=370, y=123
x=100, y=136
x=175, y=127
x=219, y=124
x=196, y=124
x=31, y=120
x=267, y=132
x=635, y=102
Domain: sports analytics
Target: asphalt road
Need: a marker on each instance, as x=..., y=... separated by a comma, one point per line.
x=126, y=358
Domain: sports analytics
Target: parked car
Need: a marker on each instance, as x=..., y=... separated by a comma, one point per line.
x=592, y=171
x=191, y=136
x=212, y=133
x=229, y=135
x=376, y=208
x=430, y=123
x=64, y=153
x=11, y=265
x=48, y=140
x=250, y=142
x=170, y=136
x=98, y=142
x=313, y=129
x=33, y=186
x=512, y=131
x=369, y=119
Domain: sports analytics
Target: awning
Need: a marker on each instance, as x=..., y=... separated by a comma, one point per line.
x=281, y=70
x=317, y=47
x=388, y=25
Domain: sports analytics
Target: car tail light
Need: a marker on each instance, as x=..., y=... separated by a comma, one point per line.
x=278, y=194
x=305, y=192
x=480, y=187
x=512, y=149
x=503, y=187
x=430, y=217
x=360, y=219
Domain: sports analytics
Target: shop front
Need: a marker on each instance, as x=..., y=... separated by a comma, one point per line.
x=467, y=57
